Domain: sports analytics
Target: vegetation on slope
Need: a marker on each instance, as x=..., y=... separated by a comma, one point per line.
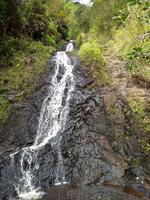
x=91, y=55
x=92, y=27
x=25, y=66
x=30, y=31
x=123, y=27
x=34, y=29
x=131, y=41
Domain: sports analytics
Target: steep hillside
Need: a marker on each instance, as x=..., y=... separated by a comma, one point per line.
x=74, y=116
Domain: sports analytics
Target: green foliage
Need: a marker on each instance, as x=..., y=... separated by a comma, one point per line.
x=72, y=19
x=145, y=144
x=91, y=51
x=83, y=14
x=91, y=54
x=27, y=63
x=43, y=17
x=30, y=31
x=7, y=49
x=103, y=14
x=143, y=123
x=139, y=2
x=132, y=39
x=98, y=18
x=80, y=39
x=121, y=17
x=44, y=21
x=88, y=26
x=134, y=33
x=34, y=18
x=49, y=40
x=4, y=108
x=138, y=59
x=3, y=16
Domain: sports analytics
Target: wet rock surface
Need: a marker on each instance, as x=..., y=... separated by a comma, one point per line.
x=91, y=152
x=19, y=131
x=87, y=154
x=87, y=193
x=20, y=128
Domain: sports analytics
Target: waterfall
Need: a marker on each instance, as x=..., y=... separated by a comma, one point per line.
x=84, y=2
x=52, y=121
x=69, y=47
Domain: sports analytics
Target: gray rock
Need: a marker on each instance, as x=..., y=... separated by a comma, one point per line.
x=89, y=158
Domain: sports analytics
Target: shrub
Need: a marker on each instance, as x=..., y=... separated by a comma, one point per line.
x=91, y=54
x=4, y=108
x=131, y=34
x=142, y=121
x=3, y=17
x=91, y=51
x=49, y=40
x=28, y=62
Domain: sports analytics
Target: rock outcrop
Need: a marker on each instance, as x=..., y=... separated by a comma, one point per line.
x=92, y=154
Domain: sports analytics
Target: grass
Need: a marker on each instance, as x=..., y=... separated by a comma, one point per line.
x=91, y=55
x=4, y=108
x=142, y=121
x=131, y=34
x=131, y=42
x=17, y=79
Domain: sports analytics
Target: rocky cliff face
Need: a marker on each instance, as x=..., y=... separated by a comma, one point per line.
x=91, y=151
x=88, y=155
x=19, y=131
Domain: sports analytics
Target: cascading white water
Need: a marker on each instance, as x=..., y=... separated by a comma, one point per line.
x=84, y=2
x=69, y=47
x=52, y=120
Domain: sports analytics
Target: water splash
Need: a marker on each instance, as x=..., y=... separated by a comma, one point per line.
x=34, y=194
x=52, y=121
